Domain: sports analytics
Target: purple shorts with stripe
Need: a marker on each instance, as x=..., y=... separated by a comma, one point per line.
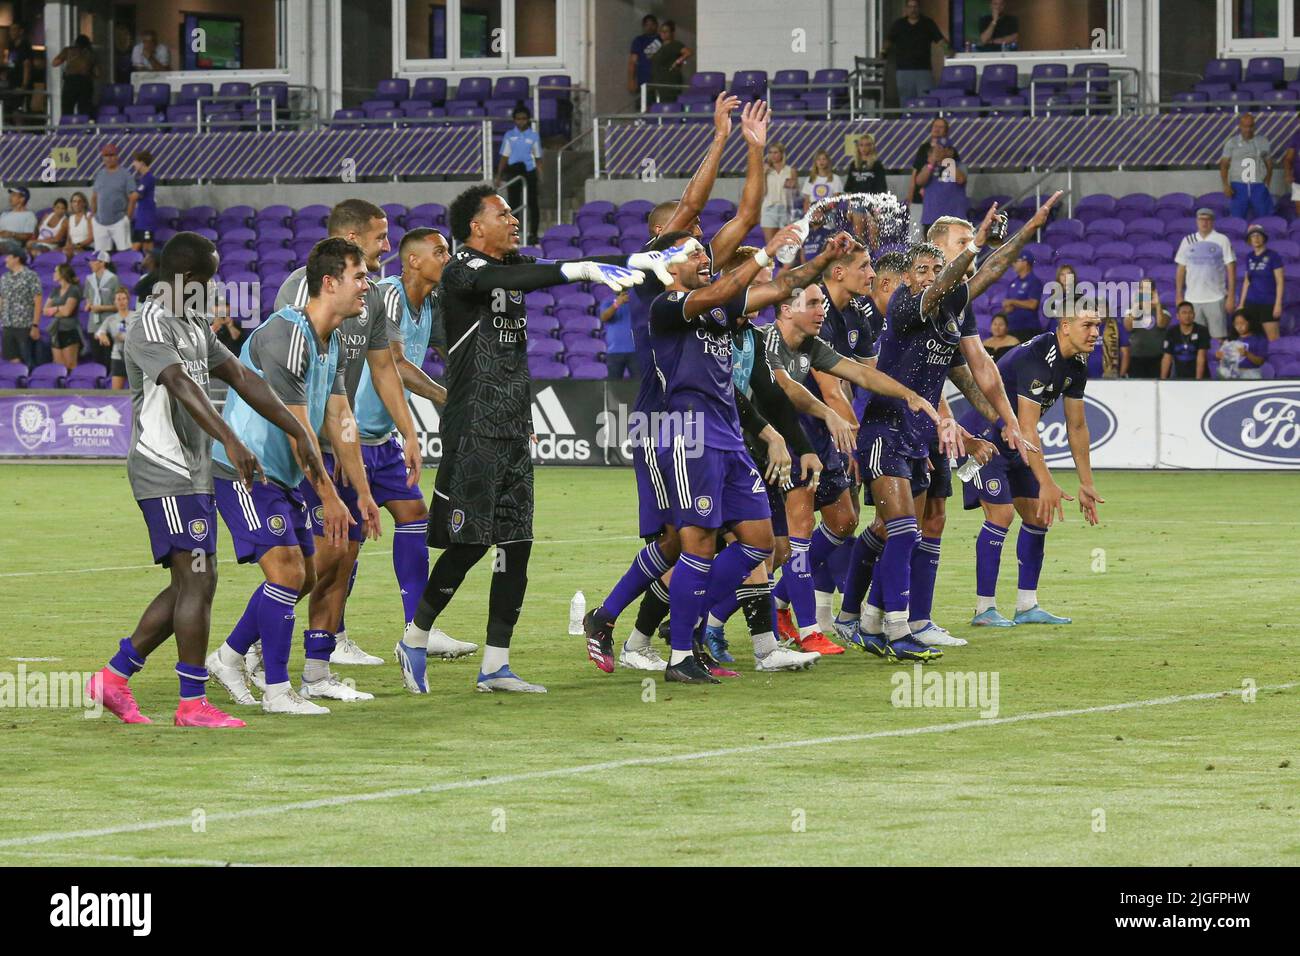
x=267, y=517
x=180, y=523
x=881, y=452
x=654, y=504
x=711, y=488
x=386, y=474
x=1005, y=478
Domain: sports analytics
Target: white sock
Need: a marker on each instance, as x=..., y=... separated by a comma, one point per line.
x=764, y=643
x=495, y=658
x=805, y=631
x=341, y=636
x=676, y=657
x=414, y=637
x=638, y=641
x=896, y=625
x=313, y=671
x=825, y=610
x=714, y=622
x=782, y=605
x=920, y=625
x=1026, y=599
x=872, y=617
x=274, y=691
x=229, y=656
x=982, y=603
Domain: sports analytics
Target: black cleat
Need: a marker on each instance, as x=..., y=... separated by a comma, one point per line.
x=690, y=671
x=666, y=632
x=600, y=639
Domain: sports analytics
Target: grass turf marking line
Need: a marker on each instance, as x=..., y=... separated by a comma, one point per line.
x=507, y=779
x=119, y=858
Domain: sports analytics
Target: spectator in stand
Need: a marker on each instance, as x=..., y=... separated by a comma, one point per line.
x=143, y=210
x=148, y=276
x=1244, y=350
x=52, y=233
x=822, y=182
x=866, y=173
x=644, y=47
x=998, y=30
x=911, y=40
x=226, y=329
x=65, y=330
x=620, y=352
x=1024, y=296
x=1110, y=357
x=1146, y=322
x=1057, y=294
x=20, y=308
x=79, y=69
x=18, y=223
x=109, y=202
x=121, y=53
x=780, y=189
x=80, y=236
x=20, y=61
x=100, y=287
x=1000, y=341
x=943, y=184
x=1187, y=343
x=149, y=54
x=1245, y=169
x=112, y=333
x=938, y=131
x=521, y=154
x=666, y=64
x=1291, y=168
x=1261, y=293
x=1207, y=274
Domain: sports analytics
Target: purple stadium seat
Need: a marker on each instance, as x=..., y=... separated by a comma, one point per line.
x=74, y=119
x=393, y=88
x=960, y=78
x=1075, y=252
x=562, y=232
x=234, y=217
x=190, y=93
x=555, y=86
x=431, y=89
x=237, y=258
x=1155, y=249
x=141, y=113
x=582, y=367
x=126, y=261
x=791, y=78
x=87, y=375
x=276, y=215
x=710, y=81
x=511, y=88
x=539, y=301
x=347, y=117
x=1143, y=202
x=1064, y=230
x=544, y=369
x=921, y=107
x=1288, y=249
x=539, y=323
x=553, y=249
x=1223, y=71
x=1123, y=272
x=1100, y=230
x=1041, y=251
x=1145, y=227
x=1280, y=99
x=602, y=206
x=662, y=108
x=475, y=88
x=1175, y=204
x=573, y=321
x=1006, y=105
x=1273, y=225
x=49, y=375
x=544, y=346
x=998, y=79
x=11, y=374
x=157, y=95
x=117, y=94
x=1044, y=80
x=1190, y=101
x=1106, y=254
x=1264, y=69
x=578, y=343
x=575, y=301
x=1098, y=205
x=750, y=81
x=1234, y=227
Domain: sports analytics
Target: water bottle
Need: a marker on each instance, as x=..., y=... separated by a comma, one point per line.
x=968, y=469
x=577, y=611
x=785, y=255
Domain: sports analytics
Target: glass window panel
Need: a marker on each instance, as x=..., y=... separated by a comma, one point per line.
x=536, y=29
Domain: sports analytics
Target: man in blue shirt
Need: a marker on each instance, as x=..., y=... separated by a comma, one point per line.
x=620, y=350
x=521, y=150
x=644, y=46
x=1024, y=295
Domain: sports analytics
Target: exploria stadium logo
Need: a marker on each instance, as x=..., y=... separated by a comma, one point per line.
x=1263, y=425
x=1055, y=438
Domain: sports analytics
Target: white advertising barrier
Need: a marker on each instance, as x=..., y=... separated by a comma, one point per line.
x=1245, y=425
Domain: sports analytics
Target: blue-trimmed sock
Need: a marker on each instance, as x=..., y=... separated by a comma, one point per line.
x=686, y=596
x=127, y=662
x=867, y=548
x=194, y=679
x=648, y=565
x=925, y=570
x=410, y=564
x=275, y=620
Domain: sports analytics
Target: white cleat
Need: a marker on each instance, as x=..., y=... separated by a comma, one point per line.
x=844, y=630
x=253, y=664
x=231, y=678
x=346, y=651
x=783, y=659
x=506, y=679
x=332, y=688
x=441, y=645
x=936, y=636
x=290, y=703
x=647, y=659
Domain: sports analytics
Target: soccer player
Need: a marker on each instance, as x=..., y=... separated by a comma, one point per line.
x=669, y=223
x=299, y=352
x=1045, y=368
x=484, y=491
x=365, y=338
x=169, y=353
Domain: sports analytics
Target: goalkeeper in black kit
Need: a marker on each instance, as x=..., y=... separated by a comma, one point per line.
x=483, y=494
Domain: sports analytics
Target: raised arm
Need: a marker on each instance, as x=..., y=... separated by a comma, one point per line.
x=790, y=279
x=998, y=263
x=964, y=379
x=874, y=380
x=753, y=124
x=696, y=193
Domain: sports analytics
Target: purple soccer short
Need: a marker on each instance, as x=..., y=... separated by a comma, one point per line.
x=269, y=516
x=180, y=523
x=654, y=504
x=881, y=452
x=834, y=480
x=711, y=488
x=1005, y=478
x=776, y=501
x=386, y=474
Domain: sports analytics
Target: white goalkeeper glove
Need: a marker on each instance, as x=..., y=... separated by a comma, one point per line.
x=617, y=278
x=658, y=262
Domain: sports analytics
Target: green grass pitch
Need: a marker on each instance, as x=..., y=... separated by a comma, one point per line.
x=1197, y=595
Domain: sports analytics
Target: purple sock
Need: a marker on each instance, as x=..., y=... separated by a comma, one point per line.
x=1029, y=554
x=988, y=555
x=317, y=645
x=925, y=569
x=797, y=577
x=410, y=564
x=837, y=564
x=245, y=631
x=127, y=662
x=736, y=562
x=867, y=548
x=895, y=568
x=820, y=548
x=275, y=618
x=727, y=606
x=193, y=680
x=649, y=565
x=686, y=593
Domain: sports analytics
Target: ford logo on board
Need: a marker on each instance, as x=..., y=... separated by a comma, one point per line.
x=1054, y=437
x=1263, y=425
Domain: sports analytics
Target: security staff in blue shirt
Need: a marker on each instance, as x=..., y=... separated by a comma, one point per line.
x=521, y=153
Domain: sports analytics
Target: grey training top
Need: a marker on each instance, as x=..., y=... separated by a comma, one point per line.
x=814, y=353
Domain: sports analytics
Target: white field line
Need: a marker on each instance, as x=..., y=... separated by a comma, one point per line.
x=119, y=858
x=507, y=779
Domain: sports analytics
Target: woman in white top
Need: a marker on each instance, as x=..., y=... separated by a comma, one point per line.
x=822, y=182
x=781, y=183
x=79, y=236
x=53, y=230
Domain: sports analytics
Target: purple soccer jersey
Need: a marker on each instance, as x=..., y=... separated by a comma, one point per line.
x=649, y=397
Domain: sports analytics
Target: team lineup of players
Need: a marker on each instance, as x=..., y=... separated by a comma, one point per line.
x=755, y=432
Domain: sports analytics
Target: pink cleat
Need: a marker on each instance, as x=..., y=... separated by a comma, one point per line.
x=113, y=691
x=199, y=713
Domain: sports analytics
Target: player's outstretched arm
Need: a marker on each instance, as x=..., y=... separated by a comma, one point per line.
x=989, y=380
x=263, y=400
x=955, y=271
x=874, y=380
x=964, y=379
x=1076, y=425
x=341, y=428
x=388, y=386
x=999, y=262
x=415, y=378
x=842, y=432
x=195, y=401
x=753, y=123
x=785, y=284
